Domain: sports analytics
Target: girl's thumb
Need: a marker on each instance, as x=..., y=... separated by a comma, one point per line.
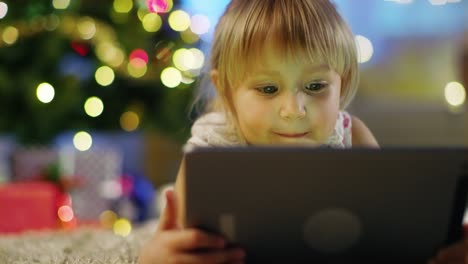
x=168, y=219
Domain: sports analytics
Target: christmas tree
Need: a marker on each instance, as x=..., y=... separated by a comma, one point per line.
x=96, y=66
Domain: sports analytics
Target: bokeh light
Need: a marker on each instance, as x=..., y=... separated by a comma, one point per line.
x=94, y=106
x=159, y=6
x=438, y=2
x=163, y=50
x=200, y=24
x=183, y=59
x=189, y=37
x=52, y=23
x=3, y=9
x=122, y=227
x=401, y=1
x=365, y=48
x=107, y=219
x=455, y=94
x=82, y=141
x=60, y=4
x=152, y=22
x=45, y=92
x=171, y=77
x=198, y=58
x=111, y=189
x=137, y=68
x=104, y=76
x=86, y=27
x=123, y=6
x=65, y=213
x=10, y=35
x=110, y=54
x=139, y=54
x=187, y=80
x=179, y=20
x=141, y=13
x=129, y=121
x=137, y=63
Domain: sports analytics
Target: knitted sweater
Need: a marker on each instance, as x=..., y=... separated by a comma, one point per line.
x=212, y=129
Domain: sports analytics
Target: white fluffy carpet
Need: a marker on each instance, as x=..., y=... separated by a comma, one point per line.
x=82, y=246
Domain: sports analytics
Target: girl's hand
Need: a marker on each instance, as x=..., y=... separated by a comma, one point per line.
x=456, y=254
x=172, y=244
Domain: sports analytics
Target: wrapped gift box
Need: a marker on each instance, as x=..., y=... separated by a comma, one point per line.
x=28, y=163
x=98, y=170
x=28, y=205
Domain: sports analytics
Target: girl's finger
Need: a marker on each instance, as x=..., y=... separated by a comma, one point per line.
x=455, y=252
x=168, y=219
x=233, y=255
x=193, y=239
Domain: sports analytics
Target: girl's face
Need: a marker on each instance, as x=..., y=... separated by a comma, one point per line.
x=286, y=101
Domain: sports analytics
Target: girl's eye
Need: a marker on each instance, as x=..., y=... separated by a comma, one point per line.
x=315, y=87
x=269, y=89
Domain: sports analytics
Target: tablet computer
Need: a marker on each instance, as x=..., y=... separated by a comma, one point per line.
x=303, y=205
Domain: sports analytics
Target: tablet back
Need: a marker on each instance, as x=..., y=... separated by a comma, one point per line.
x=299, y=205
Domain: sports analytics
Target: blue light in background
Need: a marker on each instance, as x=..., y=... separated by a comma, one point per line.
x=378, y=20
x=212, y=9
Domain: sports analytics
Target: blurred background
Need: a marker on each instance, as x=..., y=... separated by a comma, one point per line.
x=95, y=95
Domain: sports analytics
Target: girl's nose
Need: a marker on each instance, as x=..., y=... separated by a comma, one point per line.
x=293, y=106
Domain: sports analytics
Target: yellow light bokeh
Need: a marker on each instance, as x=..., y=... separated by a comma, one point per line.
x=52, y=23
x=183, y=59
x=3, y=10
x=152, y=22
x=107, y=219
x=198, y=58
x=136, y=70
x=86, y=27
x=455, y=94
x=122, y=227
x=60, y=4
x=10, y=35
x=110, y=54
x=187, y=80
x=189, y=37
x=179, y=20
x=65, y=213
x=200, y=24
x=105, y=51
x=171, y=77
x=364, y=48
x=82, y=141
x=45, y=92
x=104, y=76
x=141, y=13
x=94, y=106
x=123, y=6
x=129, y=121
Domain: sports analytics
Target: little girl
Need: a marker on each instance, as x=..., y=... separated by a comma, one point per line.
x=284, y=71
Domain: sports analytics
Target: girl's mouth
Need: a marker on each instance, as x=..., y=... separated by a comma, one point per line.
x=292, y=135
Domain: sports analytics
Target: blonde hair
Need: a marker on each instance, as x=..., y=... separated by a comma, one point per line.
x=299, y=27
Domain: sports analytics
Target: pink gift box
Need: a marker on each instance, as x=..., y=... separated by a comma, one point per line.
x=29, y=205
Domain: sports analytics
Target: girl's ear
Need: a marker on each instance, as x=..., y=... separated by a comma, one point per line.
x=214, y=75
